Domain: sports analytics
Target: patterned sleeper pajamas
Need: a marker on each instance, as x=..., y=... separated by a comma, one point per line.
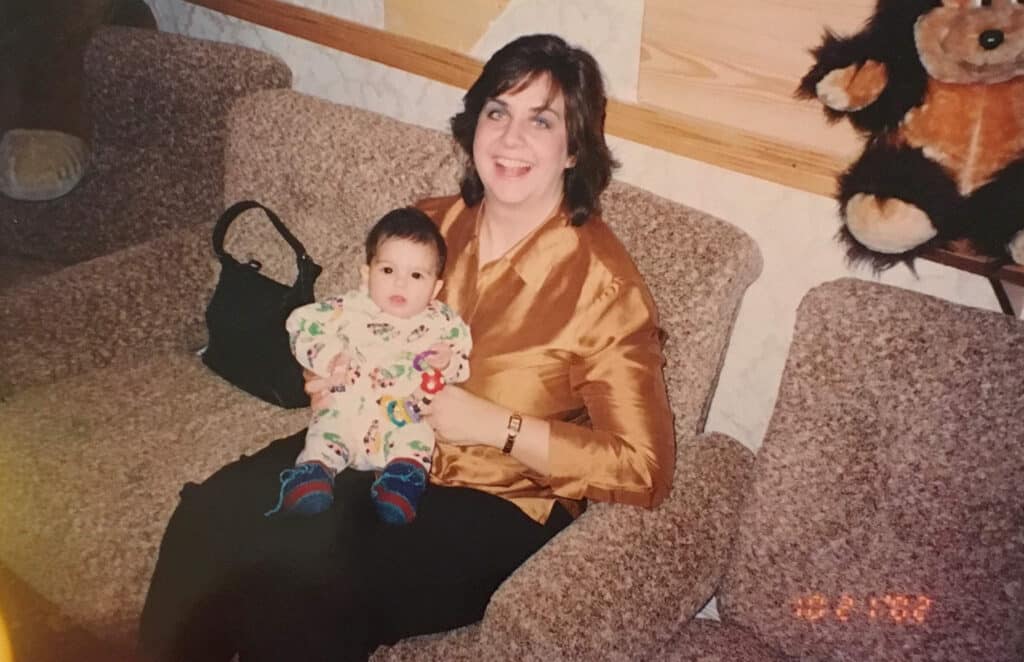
x=372, y=421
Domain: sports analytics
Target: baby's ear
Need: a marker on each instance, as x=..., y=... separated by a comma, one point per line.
x=364, y=275
x=437, y=287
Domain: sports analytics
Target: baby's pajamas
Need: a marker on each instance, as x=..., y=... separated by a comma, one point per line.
x=371, y=422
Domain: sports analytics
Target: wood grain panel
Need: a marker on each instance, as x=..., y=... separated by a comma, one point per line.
x=739, y=62
x=423, y=59
x=454, y=24
x=727, y=146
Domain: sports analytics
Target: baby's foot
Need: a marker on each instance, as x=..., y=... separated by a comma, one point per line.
x=306, y=489
x=398, y=490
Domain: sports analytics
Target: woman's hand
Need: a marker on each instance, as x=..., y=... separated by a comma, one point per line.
x=459, y=417
x=316, y=387
x=343, y=373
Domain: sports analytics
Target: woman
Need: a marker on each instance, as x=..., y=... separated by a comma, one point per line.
x=565, y=403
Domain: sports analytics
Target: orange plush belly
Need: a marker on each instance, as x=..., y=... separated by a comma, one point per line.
x=971, y=130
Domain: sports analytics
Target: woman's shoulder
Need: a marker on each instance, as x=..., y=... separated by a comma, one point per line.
x=606, y=251
x=437, y=207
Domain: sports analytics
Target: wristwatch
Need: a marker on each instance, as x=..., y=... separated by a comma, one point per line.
x=515, y=422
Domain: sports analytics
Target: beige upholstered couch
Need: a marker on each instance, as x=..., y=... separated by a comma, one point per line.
x=158, y=104
x=885, y=516
x=881, y=519
x=107, y=410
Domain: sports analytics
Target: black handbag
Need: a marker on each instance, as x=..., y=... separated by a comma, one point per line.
x=248, y=344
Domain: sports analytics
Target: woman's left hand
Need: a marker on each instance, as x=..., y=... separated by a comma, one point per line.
x=459, y=417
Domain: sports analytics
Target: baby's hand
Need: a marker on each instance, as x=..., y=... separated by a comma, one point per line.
x=441, y=356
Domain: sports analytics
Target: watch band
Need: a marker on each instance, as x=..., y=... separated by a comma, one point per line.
x=515, y=423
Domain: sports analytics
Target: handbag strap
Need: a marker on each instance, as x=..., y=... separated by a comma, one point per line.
x=220, y=230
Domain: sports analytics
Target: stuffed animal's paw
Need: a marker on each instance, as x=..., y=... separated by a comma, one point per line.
x=854, y=87
x=1016, y=248
x=887, y=225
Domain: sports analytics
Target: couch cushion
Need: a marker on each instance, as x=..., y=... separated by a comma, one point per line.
x=886, y=518
x=705, y=640
x=92, y=466
x=120, y=308
x=329, y=171
x=158, y=103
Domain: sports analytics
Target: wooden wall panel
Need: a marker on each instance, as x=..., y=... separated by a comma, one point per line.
x=737, y=62
x=702, y=137
x=454, y=24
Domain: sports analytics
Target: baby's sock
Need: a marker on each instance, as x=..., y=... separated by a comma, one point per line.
x=306, y=489
x=398, y=490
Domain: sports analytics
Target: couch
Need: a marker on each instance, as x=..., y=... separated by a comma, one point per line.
x=884, y=519
x=106, y=409
x=158, y=104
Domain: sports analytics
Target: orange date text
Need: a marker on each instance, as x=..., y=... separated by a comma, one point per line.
x=897, y=608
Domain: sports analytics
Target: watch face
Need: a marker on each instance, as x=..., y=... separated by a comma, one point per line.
x=514, y=423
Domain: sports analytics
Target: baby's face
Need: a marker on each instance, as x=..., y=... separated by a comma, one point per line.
x=402, y=279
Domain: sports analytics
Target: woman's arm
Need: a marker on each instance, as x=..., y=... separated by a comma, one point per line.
x=627, y=455
x=459, y=417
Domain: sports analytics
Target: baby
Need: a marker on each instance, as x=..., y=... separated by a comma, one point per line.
x=394, y=346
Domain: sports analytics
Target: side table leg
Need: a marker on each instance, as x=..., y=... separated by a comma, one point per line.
x=1001, y=296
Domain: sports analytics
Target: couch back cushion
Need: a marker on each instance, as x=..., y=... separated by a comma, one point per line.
x=330, y=171
x=886, y=517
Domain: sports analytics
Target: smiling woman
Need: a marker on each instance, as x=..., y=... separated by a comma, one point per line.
x=563, y=401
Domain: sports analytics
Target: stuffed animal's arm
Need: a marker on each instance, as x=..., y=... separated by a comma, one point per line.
x=854, y=87
x=848, y=74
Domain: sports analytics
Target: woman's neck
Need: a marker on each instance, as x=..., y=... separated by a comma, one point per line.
x=502, y=227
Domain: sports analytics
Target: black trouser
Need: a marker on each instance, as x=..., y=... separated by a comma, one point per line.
x=328, y=587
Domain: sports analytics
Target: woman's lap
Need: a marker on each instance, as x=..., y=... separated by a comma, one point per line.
x=331, y=586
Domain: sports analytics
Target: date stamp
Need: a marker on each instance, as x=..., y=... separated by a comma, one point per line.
x=894, y=608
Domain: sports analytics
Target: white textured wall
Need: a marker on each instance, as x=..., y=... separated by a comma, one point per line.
x=609, y=27
x=794, y=229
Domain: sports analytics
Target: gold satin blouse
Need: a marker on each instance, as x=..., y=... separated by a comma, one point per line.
x=564, y=329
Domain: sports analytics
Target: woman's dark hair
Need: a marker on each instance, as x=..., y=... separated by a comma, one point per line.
x=574, y=73
x=407, y=223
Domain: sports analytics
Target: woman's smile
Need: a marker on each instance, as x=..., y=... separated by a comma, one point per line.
x=507, y=167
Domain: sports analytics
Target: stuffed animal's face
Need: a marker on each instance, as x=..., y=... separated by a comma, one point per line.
x=972, y=41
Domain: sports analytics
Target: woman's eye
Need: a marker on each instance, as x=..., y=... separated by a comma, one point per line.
x=495, y=114
x=542, y=122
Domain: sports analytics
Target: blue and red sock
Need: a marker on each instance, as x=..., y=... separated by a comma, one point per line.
x=397, y=491
x=306, y=489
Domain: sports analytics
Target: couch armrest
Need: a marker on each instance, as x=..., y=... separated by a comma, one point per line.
x=618, y=582
x=159, y=104
x=143, y=83
x=121, y=307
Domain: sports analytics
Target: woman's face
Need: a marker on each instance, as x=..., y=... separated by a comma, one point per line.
x=520, y=148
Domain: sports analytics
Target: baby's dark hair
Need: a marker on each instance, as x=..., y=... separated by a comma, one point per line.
x=407, y=223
